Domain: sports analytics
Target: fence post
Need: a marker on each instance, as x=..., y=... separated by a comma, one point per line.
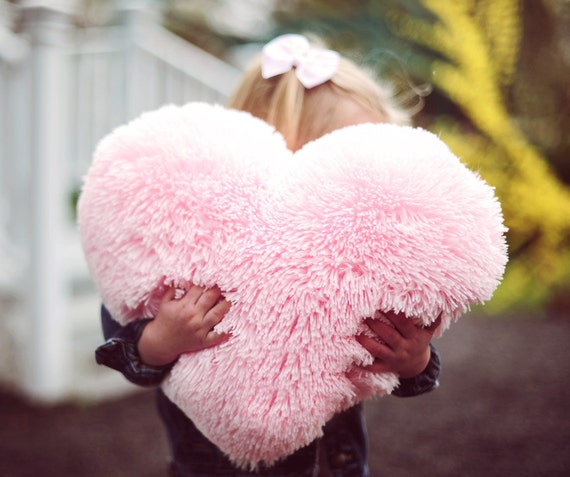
x=14, y=147
x=48, y=346
x=139, y=77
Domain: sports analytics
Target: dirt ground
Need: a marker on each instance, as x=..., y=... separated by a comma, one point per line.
x=501, y=411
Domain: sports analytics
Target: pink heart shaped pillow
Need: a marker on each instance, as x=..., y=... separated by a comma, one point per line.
x=304, y=245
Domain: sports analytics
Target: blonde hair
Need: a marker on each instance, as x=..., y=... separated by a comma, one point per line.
x=304, y=114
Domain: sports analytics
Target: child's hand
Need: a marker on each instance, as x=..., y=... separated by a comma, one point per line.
x=183, y=325
x=402, y=348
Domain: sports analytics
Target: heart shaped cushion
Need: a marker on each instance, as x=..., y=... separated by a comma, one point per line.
x=304, y=245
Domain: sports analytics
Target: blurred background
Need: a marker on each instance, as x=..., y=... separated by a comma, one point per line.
x=490, y=77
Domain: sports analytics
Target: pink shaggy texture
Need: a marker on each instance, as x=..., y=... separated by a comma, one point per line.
x=304, y=245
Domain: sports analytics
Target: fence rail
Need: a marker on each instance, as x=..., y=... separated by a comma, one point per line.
x=64, y=90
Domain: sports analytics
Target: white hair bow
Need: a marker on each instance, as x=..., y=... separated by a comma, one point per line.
x=313, y=66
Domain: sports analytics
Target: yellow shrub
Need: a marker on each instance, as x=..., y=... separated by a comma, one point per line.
x=480, y=41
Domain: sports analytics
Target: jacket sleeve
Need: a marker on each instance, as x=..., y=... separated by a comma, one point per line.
x=120, y=351
x=424, y=382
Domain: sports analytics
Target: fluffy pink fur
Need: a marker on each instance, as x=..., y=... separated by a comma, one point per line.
x=304, y=245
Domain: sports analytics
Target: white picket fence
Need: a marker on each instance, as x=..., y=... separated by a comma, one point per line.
x=61, y=89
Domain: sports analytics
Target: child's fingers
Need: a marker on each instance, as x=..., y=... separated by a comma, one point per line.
x=434, y=326
x=212, y=318
x=168, y=295
x=406, y=326
x=376, y=348
x=378, y=367
x=214, y=339
x=384, y=332
x=208, y=298
x=192, y=296
x=216, y=313
x=402, y=323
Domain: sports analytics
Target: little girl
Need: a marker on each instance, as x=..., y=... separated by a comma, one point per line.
x=305, y=92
